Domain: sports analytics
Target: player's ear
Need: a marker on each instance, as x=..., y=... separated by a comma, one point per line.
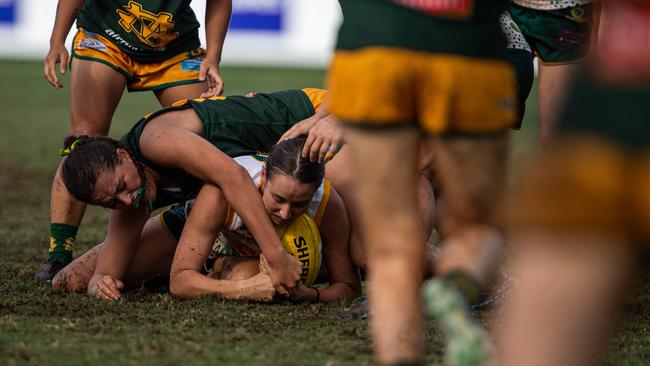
x=123, y=154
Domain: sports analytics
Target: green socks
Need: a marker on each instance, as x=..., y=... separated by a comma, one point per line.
x=62, y=238
x=445, y=299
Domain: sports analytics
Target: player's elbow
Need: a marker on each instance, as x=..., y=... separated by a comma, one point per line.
x=179, y=286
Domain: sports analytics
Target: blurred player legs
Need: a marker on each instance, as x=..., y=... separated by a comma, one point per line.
x=581, y=218
x=394, y=89
x=394, y=245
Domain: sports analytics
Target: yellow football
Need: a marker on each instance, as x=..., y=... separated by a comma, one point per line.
x=301, y=239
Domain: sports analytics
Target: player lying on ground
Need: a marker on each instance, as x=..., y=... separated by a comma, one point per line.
x=172, y=155
x=290, y=186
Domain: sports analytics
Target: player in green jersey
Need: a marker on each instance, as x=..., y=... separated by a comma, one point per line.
x=290, y=186
x=178, y=153
x=138, y=45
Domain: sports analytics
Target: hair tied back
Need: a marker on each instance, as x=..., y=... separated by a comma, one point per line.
x=69, y=149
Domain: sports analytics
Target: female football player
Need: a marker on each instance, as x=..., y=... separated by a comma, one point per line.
x=141, y=46
x=230, y=267
x=175, y=154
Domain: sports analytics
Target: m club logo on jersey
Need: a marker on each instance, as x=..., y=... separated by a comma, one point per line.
x=154, y=30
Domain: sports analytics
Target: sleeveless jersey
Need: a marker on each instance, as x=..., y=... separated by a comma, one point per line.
x=236, y=125
x=146, y=30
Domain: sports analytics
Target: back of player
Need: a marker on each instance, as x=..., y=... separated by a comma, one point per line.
x=405, y=72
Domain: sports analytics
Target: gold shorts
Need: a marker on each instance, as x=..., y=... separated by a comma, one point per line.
x=383, y=86
x=587, y=185
x=180, y=69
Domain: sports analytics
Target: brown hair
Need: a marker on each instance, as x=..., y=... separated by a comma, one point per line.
x=286, y=158
x=87, y=157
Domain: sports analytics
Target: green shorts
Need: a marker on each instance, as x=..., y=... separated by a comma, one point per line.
x=520, y=55
x=555, y=36
x=174, y=219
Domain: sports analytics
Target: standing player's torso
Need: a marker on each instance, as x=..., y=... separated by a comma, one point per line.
x=146, y=30
x=465, y=27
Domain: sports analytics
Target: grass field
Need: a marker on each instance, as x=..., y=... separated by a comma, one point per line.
x=39, y=326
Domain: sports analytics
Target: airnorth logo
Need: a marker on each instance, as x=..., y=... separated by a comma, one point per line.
x=154, y=30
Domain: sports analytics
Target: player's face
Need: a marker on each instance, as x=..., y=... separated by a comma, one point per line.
x=119, y=188
x=285, y=198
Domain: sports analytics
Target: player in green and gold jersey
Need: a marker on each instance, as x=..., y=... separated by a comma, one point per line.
x=138, y=45
x=181, y=152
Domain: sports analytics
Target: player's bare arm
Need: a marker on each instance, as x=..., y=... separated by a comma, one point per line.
x=207, y=217
x=66, y=13
x=344, y=282
x=201, y=159
x=124, y=228
x=217, y=18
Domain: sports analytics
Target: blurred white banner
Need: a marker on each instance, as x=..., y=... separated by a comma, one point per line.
x=263, y=32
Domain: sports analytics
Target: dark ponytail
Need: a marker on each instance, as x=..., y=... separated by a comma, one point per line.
x=87, y=157
x=285, y=158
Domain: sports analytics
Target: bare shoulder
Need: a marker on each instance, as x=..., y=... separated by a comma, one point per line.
x=166, y=134
x=171, y=121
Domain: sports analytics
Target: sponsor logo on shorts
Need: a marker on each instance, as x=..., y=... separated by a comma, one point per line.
x=569, y=37
x=191, y=64
x=89, y=33
x=92, y=43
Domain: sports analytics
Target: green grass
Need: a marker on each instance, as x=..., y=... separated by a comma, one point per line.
x=39, y=326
